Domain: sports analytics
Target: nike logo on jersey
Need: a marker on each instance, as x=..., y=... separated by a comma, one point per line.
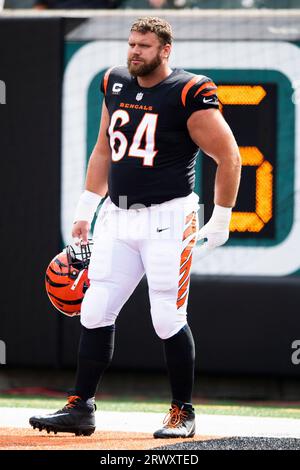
x=162, y=229
x=208, y=100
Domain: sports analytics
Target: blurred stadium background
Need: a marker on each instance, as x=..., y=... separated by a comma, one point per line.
x=244, y=299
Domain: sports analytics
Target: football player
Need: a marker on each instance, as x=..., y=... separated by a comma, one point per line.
x=154, y=120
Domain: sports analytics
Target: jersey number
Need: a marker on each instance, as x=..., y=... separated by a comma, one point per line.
x=146, y=129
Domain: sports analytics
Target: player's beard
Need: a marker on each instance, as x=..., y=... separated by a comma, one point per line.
x=143, y=69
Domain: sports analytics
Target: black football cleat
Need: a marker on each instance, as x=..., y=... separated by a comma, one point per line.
x=77, y=416
x=179, y=422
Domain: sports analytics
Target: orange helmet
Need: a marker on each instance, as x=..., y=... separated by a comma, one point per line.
x=66, y=279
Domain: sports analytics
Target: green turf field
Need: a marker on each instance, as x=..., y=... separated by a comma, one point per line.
x=151, y=405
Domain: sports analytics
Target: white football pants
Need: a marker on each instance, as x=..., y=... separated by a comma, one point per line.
x=128, y=243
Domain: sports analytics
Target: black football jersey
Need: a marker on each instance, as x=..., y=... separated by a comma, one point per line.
x=153, y=156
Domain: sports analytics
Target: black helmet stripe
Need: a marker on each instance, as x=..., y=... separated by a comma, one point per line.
x=66, y=302
x=55, y=272
x=60, y=263
x=54, y=284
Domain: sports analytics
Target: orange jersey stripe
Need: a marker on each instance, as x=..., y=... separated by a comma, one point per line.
x=106, y=77
x=187, y=87
x=183, y=289
x=186, y=260
x=184, y=257
x=181, y=301
x=184, y=283
x=189, y=217
x=205, y=85
x=190, y=229
x=186, y=271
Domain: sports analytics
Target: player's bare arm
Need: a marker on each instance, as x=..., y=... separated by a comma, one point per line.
x=209, y=130
x=211, y=133
x=97, y=171
x=96, y=181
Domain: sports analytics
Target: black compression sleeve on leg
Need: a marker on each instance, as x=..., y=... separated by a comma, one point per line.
x=95, y=352
x=180, y=359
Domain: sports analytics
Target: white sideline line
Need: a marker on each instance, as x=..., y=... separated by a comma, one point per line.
x=208, y=425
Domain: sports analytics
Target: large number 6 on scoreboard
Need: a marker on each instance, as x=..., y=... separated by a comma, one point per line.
x=146, y=129
x=251, y=156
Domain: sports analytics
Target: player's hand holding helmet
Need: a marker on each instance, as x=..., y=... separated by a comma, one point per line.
x=84, y=213
x=216, y=231
x=67, y=274
x=80, y=231
x=66, y=279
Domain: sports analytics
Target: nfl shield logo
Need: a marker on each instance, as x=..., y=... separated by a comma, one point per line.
x=139, y=96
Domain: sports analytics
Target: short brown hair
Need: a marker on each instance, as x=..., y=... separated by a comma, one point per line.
x=153, y=24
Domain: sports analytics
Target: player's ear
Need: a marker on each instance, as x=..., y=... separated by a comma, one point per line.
x=167, y=50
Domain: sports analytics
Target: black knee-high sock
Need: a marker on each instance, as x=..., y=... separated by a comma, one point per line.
x=180, y=359
x=95, y=352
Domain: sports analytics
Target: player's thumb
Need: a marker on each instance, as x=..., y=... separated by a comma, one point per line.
x=202, y=233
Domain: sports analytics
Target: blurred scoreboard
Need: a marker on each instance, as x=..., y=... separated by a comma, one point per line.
x=251, y=109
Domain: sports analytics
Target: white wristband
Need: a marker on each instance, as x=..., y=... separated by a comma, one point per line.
x=221, y=217
x=87, y=206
